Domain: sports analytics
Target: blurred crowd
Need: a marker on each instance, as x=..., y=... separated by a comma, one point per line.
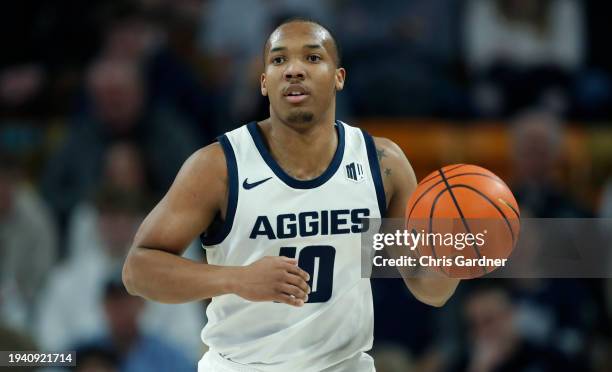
x=102, y=101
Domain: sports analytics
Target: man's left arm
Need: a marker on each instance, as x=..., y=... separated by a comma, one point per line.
x=399, y=183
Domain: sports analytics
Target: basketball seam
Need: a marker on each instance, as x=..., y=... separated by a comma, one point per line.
x=431, y=212
x=434, y=176
x=433, y=207
x=493, y=204
x=465, y=224
x=505, y=202
x=453, y=176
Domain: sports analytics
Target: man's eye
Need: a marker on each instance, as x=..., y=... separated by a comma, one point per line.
x=278, y=60
x=314, y=58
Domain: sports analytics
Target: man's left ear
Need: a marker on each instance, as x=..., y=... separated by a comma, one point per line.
x=340, y=77
x=262, y=85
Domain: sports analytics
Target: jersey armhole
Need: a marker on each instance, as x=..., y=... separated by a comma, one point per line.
x=220, y=234
x=375, y=169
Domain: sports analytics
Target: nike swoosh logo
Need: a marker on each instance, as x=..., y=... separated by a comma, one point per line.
x=248, y=186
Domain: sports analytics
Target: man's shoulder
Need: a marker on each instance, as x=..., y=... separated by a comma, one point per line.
x=387, y=148
x=210, y=153
x=396, y=172
x=390, y=155
x=207, y=162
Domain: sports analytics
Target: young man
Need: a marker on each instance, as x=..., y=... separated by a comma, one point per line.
x=282, y=203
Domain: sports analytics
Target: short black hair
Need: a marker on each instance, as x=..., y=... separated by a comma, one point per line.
x=335, y=52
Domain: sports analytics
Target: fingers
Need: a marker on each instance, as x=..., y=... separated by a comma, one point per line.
x=295, y=270
x=289, y=300
x=292, y=290
x=299, y=282
x=288, y=260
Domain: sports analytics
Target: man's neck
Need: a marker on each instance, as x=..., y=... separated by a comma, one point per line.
x=303, y=151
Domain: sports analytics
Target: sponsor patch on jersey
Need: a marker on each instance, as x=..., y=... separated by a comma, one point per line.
x=354, y=172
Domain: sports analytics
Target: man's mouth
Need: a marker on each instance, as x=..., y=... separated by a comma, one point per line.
x=296, y=93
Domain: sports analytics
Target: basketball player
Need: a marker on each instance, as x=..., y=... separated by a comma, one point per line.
x=282, y=203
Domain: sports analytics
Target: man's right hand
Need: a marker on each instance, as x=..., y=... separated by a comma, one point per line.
x=155, y=268
x=273, y=279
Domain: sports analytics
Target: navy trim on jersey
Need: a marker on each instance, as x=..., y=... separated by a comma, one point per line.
x=232, y=199
x=375, y=168
x=280, y=173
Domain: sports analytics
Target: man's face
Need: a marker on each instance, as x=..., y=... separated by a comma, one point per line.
x=301, y=77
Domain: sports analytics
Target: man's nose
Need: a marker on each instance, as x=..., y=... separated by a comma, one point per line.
x=295, y=70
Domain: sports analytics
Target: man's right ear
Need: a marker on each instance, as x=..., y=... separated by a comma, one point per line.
x=264, y=90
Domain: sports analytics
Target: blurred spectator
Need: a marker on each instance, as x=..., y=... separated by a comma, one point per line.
x=548, y=313
x=494, y=341
x=594, y=87
x=130, y=34
x=537, y=157
x=119, y=112
x=44, y=49
x=405, y=51
x=20, y=84
x=22, y=69
x=71, y=308
x=135, y=34
x=124, y=170
x=523, y=52
x=136, y=351
x=28, y=246
x=233, y=34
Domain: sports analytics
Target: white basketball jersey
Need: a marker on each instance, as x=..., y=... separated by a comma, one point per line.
x=318, y=222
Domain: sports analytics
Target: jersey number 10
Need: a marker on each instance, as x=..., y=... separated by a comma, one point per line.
x=318, y=262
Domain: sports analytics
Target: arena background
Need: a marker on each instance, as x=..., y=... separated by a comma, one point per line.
x=102, y=101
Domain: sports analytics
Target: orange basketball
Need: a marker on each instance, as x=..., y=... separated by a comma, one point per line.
x=458, y=202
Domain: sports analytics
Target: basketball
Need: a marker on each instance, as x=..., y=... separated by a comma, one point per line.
x=466, y=204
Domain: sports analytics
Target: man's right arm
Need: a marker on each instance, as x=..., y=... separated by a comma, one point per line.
x=154, y=268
